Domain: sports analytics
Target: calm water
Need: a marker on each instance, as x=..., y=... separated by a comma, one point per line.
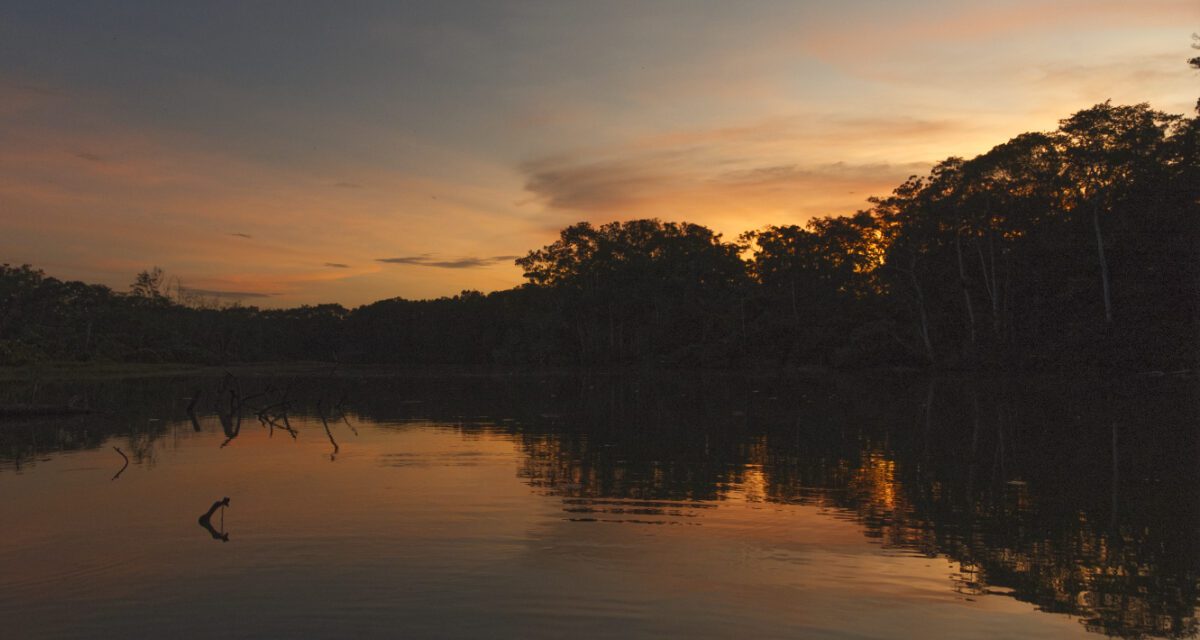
x=605, y=506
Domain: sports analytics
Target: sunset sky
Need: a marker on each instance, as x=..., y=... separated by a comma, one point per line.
x=295, y=152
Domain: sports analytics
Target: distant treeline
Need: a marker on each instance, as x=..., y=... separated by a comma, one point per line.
x=1074, y=248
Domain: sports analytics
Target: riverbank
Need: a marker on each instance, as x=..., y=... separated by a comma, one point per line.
x=92, y=371
x=60, y=371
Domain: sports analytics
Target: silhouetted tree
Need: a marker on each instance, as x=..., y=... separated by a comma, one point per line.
x=1076, y=247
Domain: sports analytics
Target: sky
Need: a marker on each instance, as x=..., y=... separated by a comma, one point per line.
x=285, y=153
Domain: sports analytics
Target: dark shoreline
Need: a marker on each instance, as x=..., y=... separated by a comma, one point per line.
x=93, y=371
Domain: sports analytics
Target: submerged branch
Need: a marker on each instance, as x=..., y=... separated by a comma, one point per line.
x=191, y=410
x=205, y=520
x=325, y=422
x=123, y=468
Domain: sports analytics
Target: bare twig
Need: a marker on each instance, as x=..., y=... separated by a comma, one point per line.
x=325, y=422
x=191, y=410
x=205, y=520
x=123, y=468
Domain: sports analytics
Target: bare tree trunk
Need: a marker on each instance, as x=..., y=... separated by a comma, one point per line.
x=922, y=324
x=1006, y=301
x=87, y=338
x=1196, y=299
x=742, y=319
x=1116, y=477
x=923, y=316
x=1000, y=442
x=962, y=281
x=990, y=286
x=973, y=463
x=795, y=308
x=995, y=279
x=1103, y=262
x=928, y=416
x=612, y=333
x=582, y=341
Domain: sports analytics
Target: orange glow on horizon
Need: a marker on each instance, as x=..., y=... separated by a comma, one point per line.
x=290, y=175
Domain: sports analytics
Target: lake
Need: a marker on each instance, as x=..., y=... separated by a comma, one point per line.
x=601, y=506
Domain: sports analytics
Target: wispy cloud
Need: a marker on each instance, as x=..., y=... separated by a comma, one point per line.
x=337, y=265
x=631, y=185
x=798, y=131
x=427, y=260
x=604, y=184
x=233, y=295
x=832, y=174
x=242, y=235
x=788, y=165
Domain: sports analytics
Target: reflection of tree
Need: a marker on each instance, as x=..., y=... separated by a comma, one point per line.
x=1013, y=481
x=205, y=520
x=977, y=477
x=124, y=466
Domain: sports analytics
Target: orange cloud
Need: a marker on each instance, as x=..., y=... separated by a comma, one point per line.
x=732, y=200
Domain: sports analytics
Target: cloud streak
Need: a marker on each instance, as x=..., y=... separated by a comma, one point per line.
x=232, y=295
x=427, y=260
x=604, y=184
x=640, y=184
x=736, y=176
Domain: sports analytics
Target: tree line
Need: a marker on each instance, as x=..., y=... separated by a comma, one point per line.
x=1078, y=247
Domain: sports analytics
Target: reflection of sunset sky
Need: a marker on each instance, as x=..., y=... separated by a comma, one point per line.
x=428, y=528
x=249, y=149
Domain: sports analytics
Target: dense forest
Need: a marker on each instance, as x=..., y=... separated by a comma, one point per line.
x=1078, y=247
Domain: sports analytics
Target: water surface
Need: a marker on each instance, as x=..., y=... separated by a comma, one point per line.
x=605, y=506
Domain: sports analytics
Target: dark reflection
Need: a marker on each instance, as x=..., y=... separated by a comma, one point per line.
x=205, y=520
x=328, y=433
x=1077, y=496
x=229, y=408
x=1030, y=485
x=335, y=411
x=191, y=410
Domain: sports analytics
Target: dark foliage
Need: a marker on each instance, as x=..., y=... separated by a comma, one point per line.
x=1078, y=247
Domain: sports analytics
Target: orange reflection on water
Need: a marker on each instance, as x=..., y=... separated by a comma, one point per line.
x=426, y=528
x=876, y=478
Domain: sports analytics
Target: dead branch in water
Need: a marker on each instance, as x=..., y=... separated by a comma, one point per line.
x=274, y=414
x=191, y=410
x=205, y=520
x=231, y=419
x=325, y=422
x=123, y=468
x=347, y=421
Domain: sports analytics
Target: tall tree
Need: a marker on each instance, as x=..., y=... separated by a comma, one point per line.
x=1106, y=149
